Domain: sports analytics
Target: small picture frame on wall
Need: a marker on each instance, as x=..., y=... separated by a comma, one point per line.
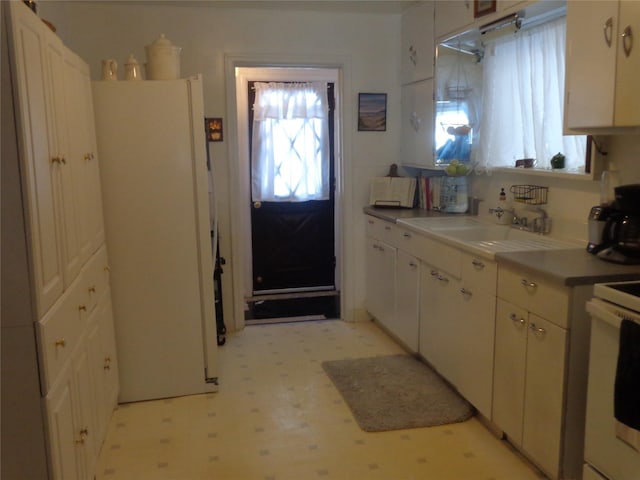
x=214, y=129
x=483, y=7
x=372, y=112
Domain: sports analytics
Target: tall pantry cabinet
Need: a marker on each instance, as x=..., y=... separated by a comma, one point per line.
x=59, y=367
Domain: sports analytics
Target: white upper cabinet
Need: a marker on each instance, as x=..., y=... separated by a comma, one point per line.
x=43, y=168
x=452, y=16
x=417, y=43
x=603, y=65
x=417, y=124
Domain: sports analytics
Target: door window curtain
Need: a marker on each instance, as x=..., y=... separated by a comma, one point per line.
x=290, y=142
x=523, y=100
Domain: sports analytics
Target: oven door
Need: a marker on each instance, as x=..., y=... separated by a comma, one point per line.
x=603, y=450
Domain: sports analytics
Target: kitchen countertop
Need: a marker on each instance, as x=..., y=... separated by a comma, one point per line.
x=570, y=267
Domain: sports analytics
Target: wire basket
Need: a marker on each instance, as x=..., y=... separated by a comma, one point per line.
x=529, y=194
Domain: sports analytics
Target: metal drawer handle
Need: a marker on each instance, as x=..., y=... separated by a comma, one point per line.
x=537, y=330
x=627, y=41
x=465, y=292
x=477, y=263
x=526, y=283
x=443, y=279
x=387, y=228
x=607, y=29
x=92, y=289
x=514, y=318
x=60, y=343
x=82, y=308
x=413, y=264
x=406, y=235
x=434, y=273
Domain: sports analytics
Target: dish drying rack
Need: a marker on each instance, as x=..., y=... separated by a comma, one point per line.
x=529, y=194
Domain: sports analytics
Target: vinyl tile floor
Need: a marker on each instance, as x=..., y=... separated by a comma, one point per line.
x=277, y=416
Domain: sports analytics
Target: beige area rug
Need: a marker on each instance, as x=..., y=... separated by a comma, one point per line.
x=396, y=392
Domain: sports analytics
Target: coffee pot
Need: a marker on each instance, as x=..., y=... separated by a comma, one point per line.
x=620, y=238
x=132, y=69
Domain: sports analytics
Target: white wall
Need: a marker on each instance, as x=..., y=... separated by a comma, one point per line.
x=370, y=42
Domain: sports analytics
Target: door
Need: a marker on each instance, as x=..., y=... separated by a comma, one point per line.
x=292, y=239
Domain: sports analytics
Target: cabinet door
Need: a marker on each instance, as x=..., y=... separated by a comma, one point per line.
x=438, y=325
x=544, y=394
x=67, y=215
x=417, y=43
x=407, y=299
x=509, y=368
x=63, y=441
x=452, y=16
x=82, y=154
x=104, y=367
x=86, y=434
x=381, y=281
x=475, y=321
x=627, y=111
x=37, y=149
x=590, y=63
x=417, y=124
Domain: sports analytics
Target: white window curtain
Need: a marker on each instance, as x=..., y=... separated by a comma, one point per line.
x=523, y=100
x=290, y=142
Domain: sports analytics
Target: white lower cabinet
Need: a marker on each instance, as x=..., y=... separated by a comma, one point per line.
x=62, y=429
x=381, y=283
x=438, y=318
x=407, y=300
x=71, y=429
x=531, y=363
x=529, y=383
x=457, y=327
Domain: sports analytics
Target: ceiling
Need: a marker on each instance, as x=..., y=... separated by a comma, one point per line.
x=357, y=6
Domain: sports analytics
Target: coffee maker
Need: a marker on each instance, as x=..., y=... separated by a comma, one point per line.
x=619, y=239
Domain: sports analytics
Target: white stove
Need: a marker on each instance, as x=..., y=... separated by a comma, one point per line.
x=612, y=448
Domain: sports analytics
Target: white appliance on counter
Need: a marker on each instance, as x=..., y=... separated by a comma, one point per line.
x=152, y=144
x=610, y=450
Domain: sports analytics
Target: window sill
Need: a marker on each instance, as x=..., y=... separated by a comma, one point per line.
x=538, y=172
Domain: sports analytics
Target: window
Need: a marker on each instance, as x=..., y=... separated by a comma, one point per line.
x=290, y=142
x=523, y=99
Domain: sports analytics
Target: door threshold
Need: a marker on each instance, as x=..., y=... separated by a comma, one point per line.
x=288, y=296
x=300, y=318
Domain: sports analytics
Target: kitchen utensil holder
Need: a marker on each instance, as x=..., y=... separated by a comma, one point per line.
x=529, y=194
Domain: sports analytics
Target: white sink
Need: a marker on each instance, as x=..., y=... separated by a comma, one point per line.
x=476, y=235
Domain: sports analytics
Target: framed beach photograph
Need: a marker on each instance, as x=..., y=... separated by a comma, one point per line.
x=214, y=129
x=372, y=112
x=483, y=7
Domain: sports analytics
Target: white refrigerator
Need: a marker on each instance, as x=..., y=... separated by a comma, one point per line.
x=151, y=148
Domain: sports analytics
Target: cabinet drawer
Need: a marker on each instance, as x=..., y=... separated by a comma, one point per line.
x=479, y=274
x=527, y=290
x=380, y=229
x=430, y=251
x=59, y=332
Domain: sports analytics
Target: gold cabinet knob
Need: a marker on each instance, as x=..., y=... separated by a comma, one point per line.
x=61, y=342
x=82, y=308
x=92, y=289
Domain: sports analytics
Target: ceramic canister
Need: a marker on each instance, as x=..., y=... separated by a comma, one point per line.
x=163, y=60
